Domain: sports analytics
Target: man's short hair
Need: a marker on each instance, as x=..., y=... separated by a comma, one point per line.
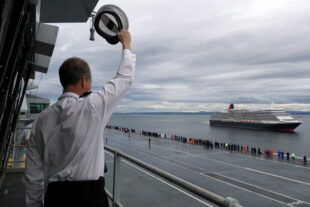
x=72, y=70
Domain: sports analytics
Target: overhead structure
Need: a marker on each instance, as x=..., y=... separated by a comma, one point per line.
x=45, y=43
x=64, y=11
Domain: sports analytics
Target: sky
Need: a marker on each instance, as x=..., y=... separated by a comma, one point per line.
x=199, y=55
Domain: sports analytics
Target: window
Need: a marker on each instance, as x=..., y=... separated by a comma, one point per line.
x=37, y=107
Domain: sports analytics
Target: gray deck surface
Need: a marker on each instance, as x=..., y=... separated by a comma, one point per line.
x=13, y=191
x=254, y=181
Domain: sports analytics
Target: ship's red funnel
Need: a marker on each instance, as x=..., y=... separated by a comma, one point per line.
x=231, y=106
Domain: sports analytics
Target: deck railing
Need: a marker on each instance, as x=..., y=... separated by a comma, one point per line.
x=115, y=196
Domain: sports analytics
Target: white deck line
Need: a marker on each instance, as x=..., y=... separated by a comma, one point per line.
x=262, y=188
x=246, y=189
x=258, y=171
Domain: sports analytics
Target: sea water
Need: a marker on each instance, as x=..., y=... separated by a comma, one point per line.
x=197, y=126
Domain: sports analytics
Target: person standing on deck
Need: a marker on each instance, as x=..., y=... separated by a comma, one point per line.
x=65, y=155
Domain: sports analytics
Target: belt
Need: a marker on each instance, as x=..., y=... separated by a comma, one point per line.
x=96, y=185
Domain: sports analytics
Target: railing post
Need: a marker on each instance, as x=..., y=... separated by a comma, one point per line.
x=116, y=178
x=229, y=202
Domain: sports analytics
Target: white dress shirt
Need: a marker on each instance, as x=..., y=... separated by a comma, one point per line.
x=67, y=142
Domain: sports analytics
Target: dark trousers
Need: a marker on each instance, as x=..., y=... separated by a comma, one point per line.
x=76, y=193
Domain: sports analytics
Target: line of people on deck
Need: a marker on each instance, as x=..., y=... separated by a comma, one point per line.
x=209, y=144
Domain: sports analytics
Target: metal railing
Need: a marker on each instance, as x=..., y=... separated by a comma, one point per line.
x=211, y=197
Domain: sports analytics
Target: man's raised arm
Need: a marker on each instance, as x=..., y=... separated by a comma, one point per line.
x=106, y=100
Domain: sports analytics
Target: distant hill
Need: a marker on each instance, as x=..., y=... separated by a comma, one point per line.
x=299, y=112
x=169, y=113
x=198, y=113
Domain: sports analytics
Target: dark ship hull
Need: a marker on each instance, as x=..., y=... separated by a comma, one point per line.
x=273, y=120
x=282, y=127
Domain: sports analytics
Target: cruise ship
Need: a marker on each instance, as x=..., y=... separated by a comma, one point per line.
x=274, y=120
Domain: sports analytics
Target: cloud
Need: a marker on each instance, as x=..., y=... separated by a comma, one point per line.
x=201, y=55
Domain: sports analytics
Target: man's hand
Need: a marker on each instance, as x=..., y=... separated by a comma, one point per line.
x=125, y=38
